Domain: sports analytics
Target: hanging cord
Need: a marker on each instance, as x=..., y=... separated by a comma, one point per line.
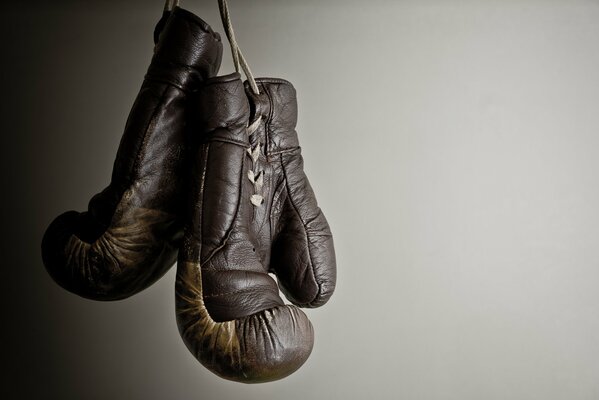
x=254, y=174
x=169, y=5
x=238, y=58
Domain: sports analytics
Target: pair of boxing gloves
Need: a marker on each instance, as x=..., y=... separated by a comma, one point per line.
x=209, y=174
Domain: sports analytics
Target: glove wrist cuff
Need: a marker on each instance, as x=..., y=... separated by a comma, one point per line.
x=227, y=107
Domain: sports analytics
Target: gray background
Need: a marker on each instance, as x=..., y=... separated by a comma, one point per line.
x=453, y=146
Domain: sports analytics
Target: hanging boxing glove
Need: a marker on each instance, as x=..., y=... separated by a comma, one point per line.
x=252, y=213
x=130, y=234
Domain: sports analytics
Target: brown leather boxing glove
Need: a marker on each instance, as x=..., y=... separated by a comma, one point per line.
x=252, y=212
x=130, y=234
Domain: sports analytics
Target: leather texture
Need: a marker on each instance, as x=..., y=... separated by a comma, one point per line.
x=252, y=215
x=130, y=235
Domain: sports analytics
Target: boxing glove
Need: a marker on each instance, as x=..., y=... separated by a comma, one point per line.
x=252, y=213
x=130, y=235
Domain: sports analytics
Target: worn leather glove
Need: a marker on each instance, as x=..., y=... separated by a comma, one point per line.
x=130, y=234
x=252, y=212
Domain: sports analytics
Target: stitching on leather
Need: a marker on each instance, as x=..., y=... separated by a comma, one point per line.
x=274, y=80
x=285, y=151
x=267, y=123
x=220, y=294
x=305, y=231
x=276, y=199
x=212, y=269
x=202, y=192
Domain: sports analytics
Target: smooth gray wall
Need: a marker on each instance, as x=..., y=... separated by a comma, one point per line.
x=453, y=145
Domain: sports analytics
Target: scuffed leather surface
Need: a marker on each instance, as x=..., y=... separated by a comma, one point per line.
x=130, y=234
x=229, y=311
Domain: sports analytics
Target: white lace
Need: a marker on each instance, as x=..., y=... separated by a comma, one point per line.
x=254, y=175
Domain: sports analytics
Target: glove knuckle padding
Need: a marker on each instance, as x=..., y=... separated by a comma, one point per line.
x=130, y=234
x=252, y=212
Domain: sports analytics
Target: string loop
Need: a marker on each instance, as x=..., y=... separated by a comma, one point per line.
x=238, y=58
x=169, y=5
